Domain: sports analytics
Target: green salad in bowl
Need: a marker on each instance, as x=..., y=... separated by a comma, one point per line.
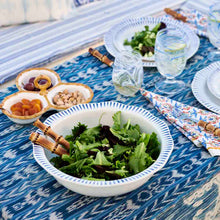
x=108, y=153
x=144, y=41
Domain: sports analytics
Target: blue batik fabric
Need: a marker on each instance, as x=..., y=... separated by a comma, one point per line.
x=187, y=187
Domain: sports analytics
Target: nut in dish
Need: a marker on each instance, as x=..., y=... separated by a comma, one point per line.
x=38, y=102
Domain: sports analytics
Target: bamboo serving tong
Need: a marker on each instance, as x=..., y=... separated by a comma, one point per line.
x=42, y=141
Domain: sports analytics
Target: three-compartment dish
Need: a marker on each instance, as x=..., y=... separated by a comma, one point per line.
x=40, y=90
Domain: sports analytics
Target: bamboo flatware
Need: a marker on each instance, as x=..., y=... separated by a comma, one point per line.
x=42, y=141
x=101, y=57
x=175, y=15
x=60, y=147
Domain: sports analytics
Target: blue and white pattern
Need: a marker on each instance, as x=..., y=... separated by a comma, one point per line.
x=185, y=118
x=39, y=153
x=32, y=45
x=196, y=21
x=25, y=11
x=186, y=187
x=131, y=25
x=201, y=91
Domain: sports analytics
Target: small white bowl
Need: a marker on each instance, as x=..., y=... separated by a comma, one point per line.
x=17, y=97
x=71, y=87
x=24, y=77
x=64, y=121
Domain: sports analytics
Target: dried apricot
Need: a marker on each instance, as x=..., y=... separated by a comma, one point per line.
x=26, y=113
x=35, y=101
x=17, y=113
x=19, y=104
x=15, y=109
x=23, y=111
x=37, y=107
x=32, y=111
x=26, y=106
x=25, y=101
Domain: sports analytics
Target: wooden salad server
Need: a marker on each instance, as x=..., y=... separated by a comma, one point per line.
x=42, y=141
x=49, y=132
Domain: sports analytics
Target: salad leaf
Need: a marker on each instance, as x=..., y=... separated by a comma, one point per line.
x=153, y=147
x=90, y=135
x=117, y=121
x=119, y=149
x=121, y=173
x=144, y=138
x=58, y=162
x=155, y=29
x=84, y=148
x=68, y=158
x=127, y=136
x=101, y=159
x=92, y=178
x=137, y=160
x=74, y=168
x=76, y=131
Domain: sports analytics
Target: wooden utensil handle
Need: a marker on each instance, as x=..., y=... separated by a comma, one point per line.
x=175, y=15
x=49, y=132
x=42, y=141
x=209, y=127
x=101, y=57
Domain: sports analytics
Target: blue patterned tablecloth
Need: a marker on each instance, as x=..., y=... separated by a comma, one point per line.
x=188, y=186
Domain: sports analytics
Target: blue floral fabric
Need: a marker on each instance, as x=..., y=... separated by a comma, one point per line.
x=188, y=186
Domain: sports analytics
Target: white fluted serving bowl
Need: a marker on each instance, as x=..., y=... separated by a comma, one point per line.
x=64, y=121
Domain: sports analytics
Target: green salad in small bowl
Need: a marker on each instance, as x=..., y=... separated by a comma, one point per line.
x=144, y=41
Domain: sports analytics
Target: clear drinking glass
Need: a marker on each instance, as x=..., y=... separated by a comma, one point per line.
x=170, y=58
x=127, y=75
x=214, y=31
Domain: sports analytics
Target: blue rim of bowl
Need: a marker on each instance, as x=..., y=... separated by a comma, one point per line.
x=108, y=37
x=40, y=156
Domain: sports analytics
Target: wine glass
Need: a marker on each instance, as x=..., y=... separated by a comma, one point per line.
x=170, y=58
x=127, y=75
x=214, y=31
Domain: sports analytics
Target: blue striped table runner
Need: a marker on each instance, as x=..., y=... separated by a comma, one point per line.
x=36, y=44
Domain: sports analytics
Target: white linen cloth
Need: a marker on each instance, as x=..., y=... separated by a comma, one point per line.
x=26, y=11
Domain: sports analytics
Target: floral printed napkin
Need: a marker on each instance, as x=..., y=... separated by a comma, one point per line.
x=185, y=118
x=195, y=20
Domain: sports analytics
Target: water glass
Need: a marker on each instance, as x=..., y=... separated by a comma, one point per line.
x=170, y=58
x=127, y=75
x=214, y=31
